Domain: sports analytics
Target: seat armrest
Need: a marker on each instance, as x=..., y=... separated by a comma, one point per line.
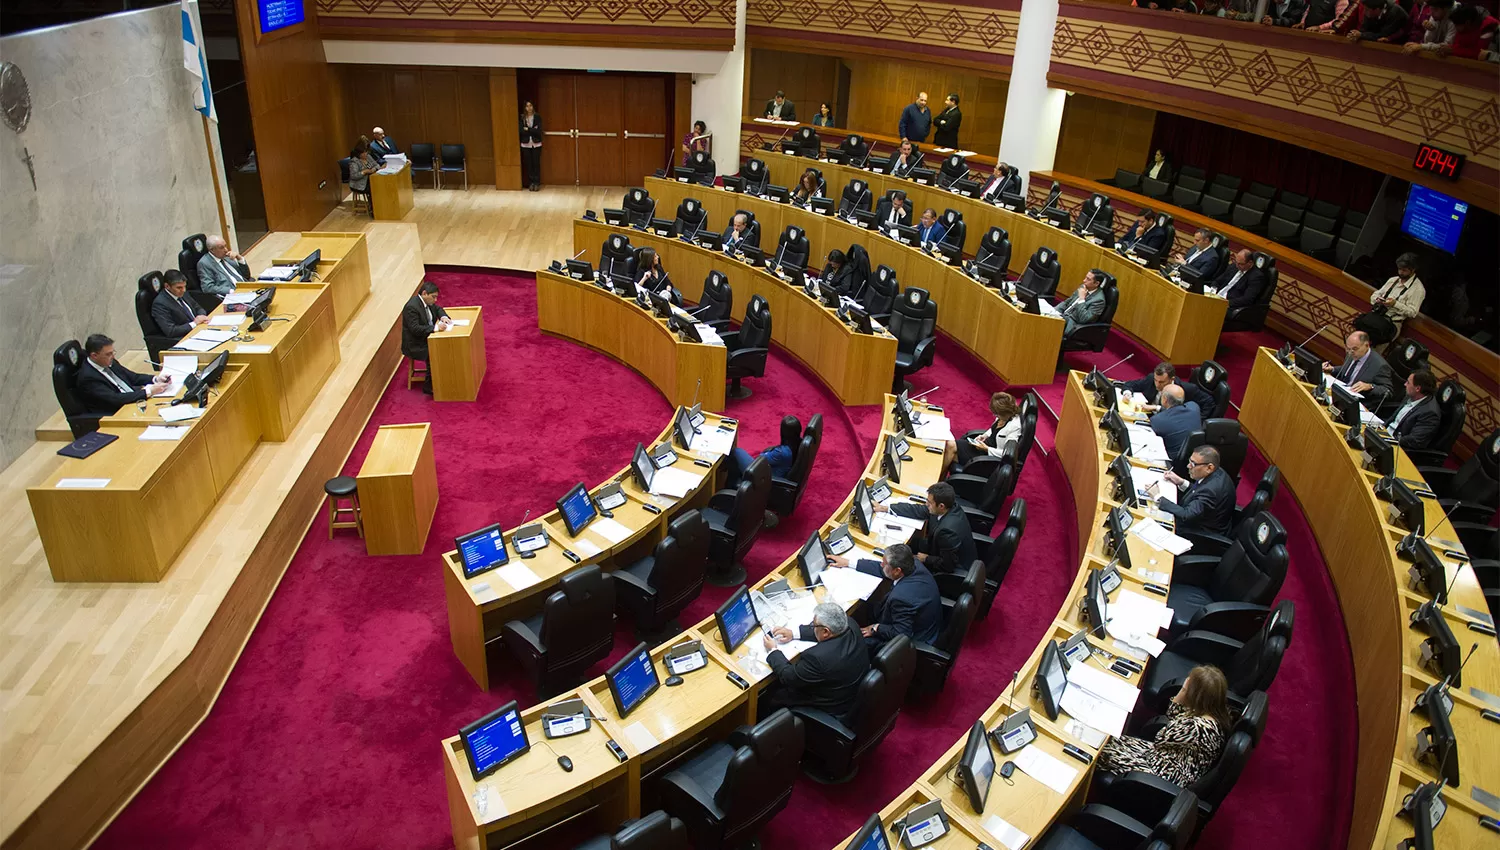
x=969, y=488
x=1439, y=478
x=932, y=655
x=1205, y=544
x=924, y=351
x=747, y=354
x=1234, y=620
x=783, y=483
x=1143, y=796
x=950, y=585
x=679, y=783
x=634, y=581
x=1207, y=647
x=981, y=466
x=978, y=518
x=740, y=736
x=1109, y=827
x=1194, y=569
x=722, y=501
x=819, y=722
x=1426, y=457
x=518, y=630
x=1467, y=511
x=731, y=338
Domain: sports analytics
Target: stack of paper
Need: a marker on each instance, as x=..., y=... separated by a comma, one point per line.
x=1091, y=710
x=1046, y=769
x=935, y=428
x=180, y=413
x=228, y=320
x=1046, y=308
x=1135, y=620
x=177, y=369
x=1012, y=838
x=1144, y=479
x=585, y=548
x=235, y=298
x=1152, y=532
x=708, y=334
x=197, y=343
x=713, y=442
x=610, y=530
x=1146, y=445
x=848, y=585
x=674, y=482
x=163, y=432
x=214, y=335
x=893, y=518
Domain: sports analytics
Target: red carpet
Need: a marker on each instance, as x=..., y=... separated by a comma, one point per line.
x=328, y=730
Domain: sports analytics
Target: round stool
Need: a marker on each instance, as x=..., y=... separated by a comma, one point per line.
x=340, y=490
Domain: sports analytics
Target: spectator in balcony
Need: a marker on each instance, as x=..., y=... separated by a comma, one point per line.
x=1417, y=16
x=1325, y=15
x=1237, y=10
x=1435, y=33
x=1283, y=13
x=1160, y=167
x=1473, y=34
x=824, y=118
x=1402, y=295
x=1376, y=20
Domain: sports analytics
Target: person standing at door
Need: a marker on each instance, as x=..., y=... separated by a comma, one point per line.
x=531, y=147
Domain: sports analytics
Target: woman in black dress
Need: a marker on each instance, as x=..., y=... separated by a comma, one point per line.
x=531, y=147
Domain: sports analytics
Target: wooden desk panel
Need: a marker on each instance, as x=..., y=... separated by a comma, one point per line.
x=398, y=491
x=457, y=356
x=391, y=194
x=344, y=266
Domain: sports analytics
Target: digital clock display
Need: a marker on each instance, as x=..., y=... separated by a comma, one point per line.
x=1438, y=161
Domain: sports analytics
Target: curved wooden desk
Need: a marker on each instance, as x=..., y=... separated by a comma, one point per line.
x=1359, y=546
x=531, y=794
x=858, y=367
x=1176, y=325
x=603, y=321
x=1019, y=347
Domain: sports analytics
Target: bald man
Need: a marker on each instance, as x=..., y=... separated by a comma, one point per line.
x=220, y=269
x=1242, y=283
x=1177, y=419
x=382, y=145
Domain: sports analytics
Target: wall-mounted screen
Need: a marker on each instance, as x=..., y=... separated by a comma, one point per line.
x=279, y=14
x=1434, y=218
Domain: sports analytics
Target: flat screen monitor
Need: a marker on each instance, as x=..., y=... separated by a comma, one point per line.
x=1434, y=218
x=1406, y=507
x=734, y=183
x=683, y=430
x=1119, y=434
x=1052, y=679
x=262, y=300
x=1436, y=743
x=812, y=560
x=1345, y=406
x=751, y=253
x=865, y=219
x=686, y=327
x=871, y=836
x=891, y=459
x=1097, y=602
x=614, y=217
x=1310, y=364
x=976, y=767
x=861, y=319
x=660, y=304
x=1013, y=201
x=213, y=373
x=779, y=194
x=1379, y=454
x=904, y=424
x=908, y=235
x=482, y=550
x=279, y=14
x=1440, y=651
x=684, y=175
x=580, y=270
x=642, y=467
x=309, y=264
x=577, y=509
x=494, y=739
x=822, y=206
x=1106, y=396
x=863, y=510
x=632, y=679
x=736, y=619
x=664, y=227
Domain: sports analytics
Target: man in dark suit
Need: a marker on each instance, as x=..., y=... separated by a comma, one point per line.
x=1177, y=419
x=780, y=108
x=174, y=312
x=419, y=319
x=1415, y=423
x=913, y=607
x=1165, y=374
x=104, y=386
x=947, y=544
x=1364, y=370
x=946, y=123
x=1241, y=283
x=1201, y=261
x=902, y=160
x=892, y=210
x=382, y=145
x=825, y=676
x=738, y=233
x=1144, y=238
x=1205, y=502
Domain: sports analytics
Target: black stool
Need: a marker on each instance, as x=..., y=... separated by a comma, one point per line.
x=344, y=487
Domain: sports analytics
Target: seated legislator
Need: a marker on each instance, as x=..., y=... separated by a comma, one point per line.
x=916, y=120
x=1241, y=283
x=420, y=317
x=738, y=234
x=1177, y=419
x=361, y=165
x=1205, y=502
x=930, y=229
x=913, y=607
x=1416, y=421
x=947, y=545
x=1190, y=742
x=1364, y=370
x=1165, y=374
x=947, y=122
x=382, y=145
x=991, y=441
x=893, y=210
x=838, y=273
x=105, y=386
x=990, y=191
x=1200, y=260
x=219, y=269
x=902, y=160
x=1144, y=235
x=1375, y=20
x=780, y=108
x=780, y=457
x=826, y=676
x=808, y=187
x=1084, y=306
x=653, y=277
x=174, y=312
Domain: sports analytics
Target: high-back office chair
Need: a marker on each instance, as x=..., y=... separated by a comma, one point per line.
x=856, y=196
x=981, y=496
x=617, y=257
x=880, y=296
x=1123, y=179
x=656, y=588
x=1472, y=491
x=913, y=323
x=755, y=176
x=1155, y=256
x=792, y=249
x=955, y=233
x=452, y=160
x=1214, y=380
x=1097, y=216
x=1225, y=436
x=997, y=560
x=691, y=218
x=859, y=260
x=717, y=305
x=575, y=630
x=934, y=660
x=424, y=158
x=66, y=361
x=836, y=744
x=1101, y=826
x=1252, y=317
x=809, y=143
x=1251, y=572
x=727, y=792
x=1092, y=336
x=855, y=149
x=1453, y=409
x=655, y=831
x=1265, y=493
x=639, y=207
x=1249, y=665
x=704, y=170
x=747, y=347
x=193, y=249
x=147, y=288
x=994, y=252
x=953, y=169
x=786, y=493
x=953, y=585
x=1041, y=274
x=1407, y=356
x=735, y=518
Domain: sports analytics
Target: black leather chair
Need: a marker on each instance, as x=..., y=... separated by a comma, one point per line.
x=66, y=361
x=575, y=630
x=752, y=227
x=953, y=585
x=617, y=256
x=954, y=168
x=1041, y=274
x=855, y=148
x=691, y=217
x=717, y=305
x=727, y=792
x=1101, y=826
x=756, y=176
x=994, y=252
x=1249, y=665
x=1407, y=356
x=1206, y=543
x=1153, y=188
x=981, y=498
x=193, y=249
x=147, y=288
x=1213, y=379
x=836, y=744
x=1471, y=492
x=1252, y=317
x=786, y=493
x=1098, y=214
x=1219, y=209
x=1186, y=197
x=936, y=659
x=792, y=249
x=424, y=160
x=735, y=518
x=1206, y=588
x=856, y=196
x=1155, y=256
x=655, y=589
x=1092, y=336
x=1226, y=437
x=913, y=322
x=809, y=143
x=955, y=234
x=639, y=207
x=748, y=347
x=704, y=170
x=997, y=560
x=1453, y=409
x=656, y=831
x=880, y=296
x=1123, y=179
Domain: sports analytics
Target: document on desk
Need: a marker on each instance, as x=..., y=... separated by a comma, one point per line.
x=1046, y=768
x=236, y=298
x=1155, y=535
x=1093, y=710
x=177, y=369
x=254, y=349
x=215, y=335
x=935, y=428
x=1132, y=613
x=1047, y=309
x=610, y=530
x=713, y=442
x=893, y=518
x=709, y=335
x=1146, y=445
x=200, y=343
x=164, y=433
x=849, y=585
x=585, y=548
x=1145, y=479
x=674, y=482
x=1107, y=686
x=180, y=413
x=460, y=323
x=640, y=737
x=1012, y=838
x=227, y=320
x=518, y=576
x=82, y=483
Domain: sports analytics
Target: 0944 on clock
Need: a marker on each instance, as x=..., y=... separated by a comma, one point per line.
x=1438, y=161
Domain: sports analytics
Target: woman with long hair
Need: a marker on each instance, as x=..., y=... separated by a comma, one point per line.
x=531, y=147
x=991, y=441
x=1190, y=742
x=824, y=118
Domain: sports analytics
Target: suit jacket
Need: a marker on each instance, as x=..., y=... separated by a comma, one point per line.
x=751, y=237
x=946, y=127
x=175, y=318
x=213, y=279
x=1175, y=424
x=1152, y=240
x=933, y=234
x=100, y=396
x=1206, y=505
x=841, y=280
x=1287, y=13
x=1419, y=426
x=1245, y=293
x=824, y=677
x=1375, y=372
x=883, y=214
x=913, y=607
x=1204, y=264
x=532, y=133
x=1146, y=386
x=383, y=148
x=948, y=541
x=418, y=323
x=788, y=110
x=896, y=168
x=1081, y=311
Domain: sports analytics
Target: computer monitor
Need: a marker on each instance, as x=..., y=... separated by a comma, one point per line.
x=976, y=767
x=991, y=276
x=1427, y=572
x=822, y=206
x=736, y=619
x=1119, y=434
x=685, y=326
x=1106, y=396
x=482, y=550
x=924, y=176
x=890, y=461
x=829, y=296
x=661, y=305
x=779, y=194
x=642, y=467
x=1013, y=201
x=861, y=319
x=577, y=509
x=1057, y=218
x=1378, y=453
x=211, y=374
x=683, y=429
x=967, y=188
x=1096, y=602
x=632, y=679
x=1116, y=524
x=1436, y=743
x=1310, y=364
x=863, y=510
x=1345, y=406
x=908, y=235
x=1052, y=679
x=614, y=217
x=871, y=836
x=1405, y=507
x=684, y=175
x=865, y=219
x=1440, y=652
x=751, y=253
x=812, y=560
x=580, y=270
x=494, y=739
x=904, y=424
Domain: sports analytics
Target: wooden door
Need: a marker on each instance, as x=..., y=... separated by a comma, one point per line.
x=599, y=101
x=647, y=147
x=555, y=105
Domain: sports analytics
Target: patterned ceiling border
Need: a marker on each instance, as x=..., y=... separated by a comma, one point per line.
x=976, y=34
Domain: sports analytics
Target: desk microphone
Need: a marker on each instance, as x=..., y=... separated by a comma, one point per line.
x=527, y=555
x=1315, y=334
x=1116, y=363
x=924, y=392
x=1448, y=680
x=580, y=253
x=695, y=393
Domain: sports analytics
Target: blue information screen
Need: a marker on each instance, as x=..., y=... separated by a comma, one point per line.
x=577, y=509
x=739, y=620
x=876, y=841
x=482, y=550
x=635, y=681
x=1434, y=218
x=278, y=14
x=497, y=741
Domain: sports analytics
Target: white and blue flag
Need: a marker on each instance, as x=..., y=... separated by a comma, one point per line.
x=196, y=63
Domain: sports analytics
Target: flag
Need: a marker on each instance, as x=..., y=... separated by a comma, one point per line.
x=196, y=64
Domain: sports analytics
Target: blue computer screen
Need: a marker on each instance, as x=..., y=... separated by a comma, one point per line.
x=482, y=550
x=495, y=741
x=577, y=509
x=1434, y=218
x=635, y=681
x=276, y=14
x=875, y=841
x=738, y=621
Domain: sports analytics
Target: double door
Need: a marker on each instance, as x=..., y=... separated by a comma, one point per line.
x=603, y=129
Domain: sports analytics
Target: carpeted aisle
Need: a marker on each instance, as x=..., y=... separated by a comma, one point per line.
x=327, y=731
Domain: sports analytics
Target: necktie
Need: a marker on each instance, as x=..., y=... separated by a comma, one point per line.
x=1232, y=282
x=113, y=378
x=232, y=270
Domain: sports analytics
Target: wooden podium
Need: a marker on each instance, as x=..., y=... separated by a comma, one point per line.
x=391, y=194
x=398, y=490
x=456, y=356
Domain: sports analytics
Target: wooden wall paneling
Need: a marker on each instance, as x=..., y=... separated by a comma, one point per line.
x=474, y=124
x=682, y=115
x=600, y=100
x=555, y=102
x=505, y=109
x=647, y=127
x=1098, y=136
x=406, y=107
x=807, y=78
x=880, y=89
x=440, y=111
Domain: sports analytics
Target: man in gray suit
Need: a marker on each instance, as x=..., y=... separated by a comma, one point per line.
x=1364, y=370
x=1084, y=306
x=174, y=312
x=220, y=268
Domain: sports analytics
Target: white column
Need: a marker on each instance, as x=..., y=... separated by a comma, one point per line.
x=716, y=100
x=1033, y=112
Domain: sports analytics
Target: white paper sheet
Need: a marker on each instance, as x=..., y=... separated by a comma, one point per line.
x=228, y=320
x=1012, y=838
x=1144, y=479
x=180, y=413
x=460, y=323
x=1105, y=685
x=1046, y=768
x=893, y=518
x=215, y=335
x=196, y=343
x=934, y=428
x=674, y=482
x=164, y=433
x=235, y=298
x=848, y=585
x=254, y=349
x=713, y=442
x=1155, y=535
x=585, y=548
x=1085, y=733
x=1093, y=710
x=1046, y=309
x=610, y=530
x=1146, y=445
x=82, y=483
x=518, y=576
x=709, y=335
x=640, y=737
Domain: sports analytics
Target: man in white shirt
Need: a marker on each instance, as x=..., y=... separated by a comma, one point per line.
x=104, y=386
x=1242, y=283
x=221, y=269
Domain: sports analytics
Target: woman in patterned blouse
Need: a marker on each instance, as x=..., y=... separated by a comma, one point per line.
x=1190, y=742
